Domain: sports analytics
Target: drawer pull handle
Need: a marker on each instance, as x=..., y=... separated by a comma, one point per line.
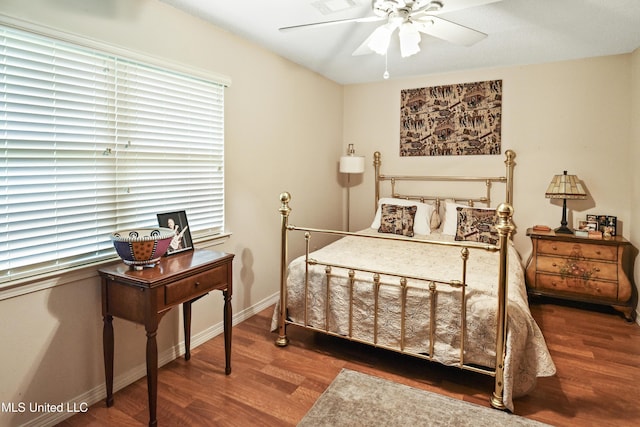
x=554, y=247
x=197, y=284
x=554, y=264
x=597, y=252
x=596, y=269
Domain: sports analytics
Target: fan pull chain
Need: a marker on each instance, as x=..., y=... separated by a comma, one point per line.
x=386, y=71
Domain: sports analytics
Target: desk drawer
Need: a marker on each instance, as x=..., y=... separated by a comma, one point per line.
x=577, y=286
x=576, y=267
x=582, y=250
x=194, y=286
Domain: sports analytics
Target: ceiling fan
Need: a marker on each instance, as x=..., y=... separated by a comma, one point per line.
x=410, y=18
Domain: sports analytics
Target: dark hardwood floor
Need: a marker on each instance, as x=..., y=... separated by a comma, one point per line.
x=597, y=356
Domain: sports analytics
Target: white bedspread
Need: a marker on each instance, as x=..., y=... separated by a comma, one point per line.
x=527, y=356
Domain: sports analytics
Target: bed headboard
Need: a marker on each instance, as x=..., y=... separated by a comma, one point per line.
x=476, y=198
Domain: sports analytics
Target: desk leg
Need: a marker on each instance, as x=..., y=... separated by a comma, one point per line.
x=227, y=331
x=186, y=316
x=107, y=348
x=152, y=374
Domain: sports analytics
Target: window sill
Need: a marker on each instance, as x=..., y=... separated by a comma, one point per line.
x=85, y=272
x=213, y=240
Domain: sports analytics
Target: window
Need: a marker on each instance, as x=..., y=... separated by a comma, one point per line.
x=93, y=143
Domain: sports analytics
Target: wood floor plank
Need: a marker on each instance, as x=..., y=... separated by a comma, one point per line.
x=596, y=352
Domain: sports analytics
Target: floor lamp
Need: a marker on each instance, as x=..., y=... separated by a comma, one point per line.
x=350, y=164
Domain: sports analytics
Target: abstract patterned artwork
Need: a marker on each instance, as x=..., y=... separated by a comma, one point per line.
x=451, y=120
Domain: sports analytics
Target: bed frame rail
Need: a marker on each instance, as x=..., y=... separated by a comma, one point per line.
x=485, y=199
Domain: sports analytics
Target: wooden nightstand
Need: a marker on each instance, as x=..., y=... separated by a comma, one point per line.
x=582, y=269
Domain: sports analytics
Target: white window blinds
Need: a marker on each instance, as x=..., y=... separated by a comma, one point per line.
x=92, y=143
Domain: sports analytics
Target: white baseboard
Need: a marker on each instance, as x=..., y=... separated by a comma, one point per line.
x=121, y=381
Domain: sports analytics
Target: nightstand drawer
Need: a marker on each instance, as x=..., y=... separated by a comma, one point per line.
x=577, y=286
x=582, y=250
x=185, y=289
x=577, y=268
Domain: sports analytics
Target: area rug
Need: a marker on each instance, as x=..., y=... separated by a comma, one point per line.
x=357, y=399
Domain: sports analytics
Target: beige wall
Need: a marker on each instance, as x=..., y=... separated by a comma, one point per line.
x=634, y=156
x=283, y=129
x=284, y=123
x=573, y=116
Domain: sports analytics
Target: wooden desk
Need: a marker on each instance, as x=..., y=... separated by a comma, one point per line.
x=145, y=296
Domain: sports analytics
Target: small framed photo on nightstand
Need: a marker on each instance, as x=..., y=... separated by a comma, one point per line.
x=582, y=230
x=592, y=222
x=602, y=222
x=611, y=224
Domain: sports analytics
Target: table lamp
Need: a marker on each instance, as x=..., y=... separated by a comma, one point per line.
x=565, y=187
x=351, y=164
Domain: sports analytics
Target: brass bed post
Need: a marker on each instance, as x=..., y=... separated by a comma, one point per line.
x=505, y=227
x=282, y=339
x=376, y=167
x=510, y=163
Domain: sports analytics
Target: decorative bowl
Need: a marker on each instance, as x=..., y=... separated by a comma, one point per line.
x=142, y=247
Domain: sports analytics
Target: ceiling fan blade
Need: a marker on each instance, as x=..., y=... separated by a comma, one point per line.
x=451, y=5
x=448, y=31
x=364, y=48
x=338, y=21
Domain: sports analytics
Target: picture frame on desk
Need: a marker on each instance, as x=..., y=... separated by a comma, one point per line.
x=177, y=221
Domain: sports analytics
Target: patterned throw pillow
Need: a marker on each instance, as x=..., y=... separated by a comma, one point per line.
x=397, y=219
x=421, y=220
x=477, y=225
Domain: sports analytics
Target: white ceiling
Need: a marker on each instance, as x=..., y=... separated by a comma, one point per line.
x=519, y=32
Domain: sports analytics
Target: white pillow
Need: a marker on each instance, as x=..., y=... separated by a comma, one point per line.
x=421, y=220
x=450, y=223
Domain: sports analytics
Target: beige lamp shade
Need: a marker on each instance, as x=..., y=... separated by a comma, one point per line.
x=352, y=164
x=565, y=187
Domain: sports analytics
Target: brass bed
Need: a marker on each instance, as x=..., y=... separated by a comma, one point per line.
x=433, y=297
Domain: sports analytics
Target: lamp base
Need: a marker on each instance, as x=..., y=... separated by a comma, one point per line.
x=563, y=230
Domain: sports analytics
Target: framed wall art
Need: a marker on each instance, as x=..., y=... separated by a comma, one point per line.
x=451, y=120
x=177, y=221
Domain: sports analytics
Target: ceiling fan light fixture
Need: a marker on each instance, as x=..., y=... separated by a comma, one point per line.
x=380, y=39
x=409, y=40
